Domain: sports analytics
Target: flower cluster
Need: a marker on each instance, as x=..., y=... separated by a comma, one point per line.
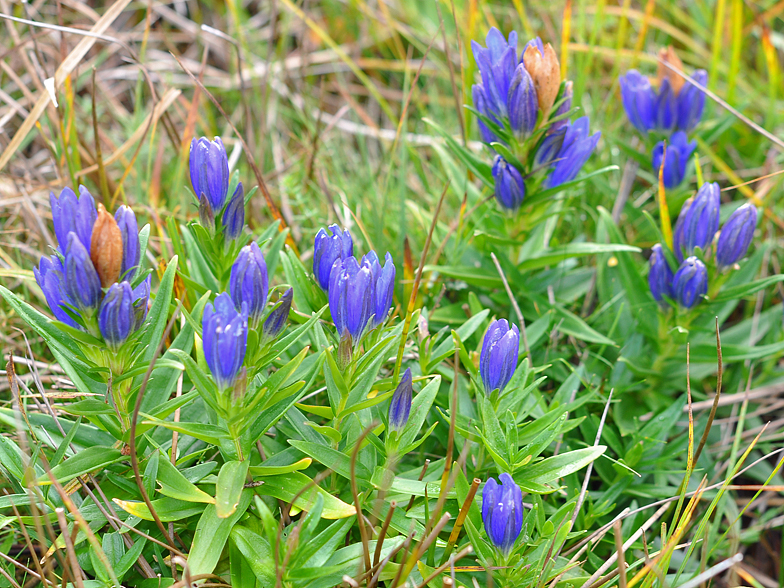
x=359, y=290
x=225, y=324
x=674, y=108
x=209, y=167
x=87, y=282
x=502, y=512
x=498, y=360
x=524, y=106
x=693, y=235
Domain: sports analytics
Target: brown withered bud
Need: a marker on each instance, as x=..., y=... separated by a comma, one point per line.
x=668, y=55
x=106, y=247
x=546, y=74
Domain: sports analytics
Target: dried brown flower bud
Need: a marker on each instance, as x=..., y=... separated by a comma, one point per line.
x=106, y=248
x=546, y=73
x=668, y=55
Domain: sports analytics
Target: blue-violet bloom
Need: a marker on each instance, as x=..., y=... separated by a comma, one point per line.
x=209, y=167
x=502, y=512
x=400, y=406
x=735, y=236
x=225, y=337
x=690, y=283
x=660, y=275
x=72, y=213
x=351, y=296
x=509, y=184
x=328, y=248
x=679, y=150
x=498, y=360
x=249, y=282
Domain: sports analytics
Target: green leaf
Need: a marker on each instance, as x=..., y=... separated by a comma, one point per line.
x=87, y=460
x=555, y=255
x=211, y=534
x=408, y=486
x=558, y=466
x=175, y=485
x=743, y=290
x=228, y=490
x=337, y=461
x=167, y=509
x=208, y=433
x=268, y=470
x=257, y=552
x=287, y=486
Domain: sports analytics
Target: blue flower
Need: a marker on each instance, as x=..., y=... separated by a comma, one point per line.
x=565, y=107
x=522, y=103
x=478, y=97
x=72, y=213
x=550, y=146
x=225, y=336
x=383, y=285
x=698, y=221
x=400, y=407
x=129, y=229
x=502, y=512
x=209, y=167
x=498, y=360
x=496, y=65
x=234, y=215
x=276, y=321
x=576, y=149
x=660, y=275
x=679, y=150
x=117, y=316
x=51, y=279
x=690, y=283
x=735, y=236
x=509, y=184
x=327, y=249
x=82, y=284
x=666, y=107
x=249, y=282
x=141, y=299
x=691, y=101
x=351, y=296
x=639, y=100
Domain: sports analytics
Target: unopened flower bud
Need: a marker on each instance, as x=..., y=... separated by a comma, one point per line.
x=545, y=72
x=668, y=55
x=276, y=321
x=106, y=248
x=234, y=214
x=400, y=407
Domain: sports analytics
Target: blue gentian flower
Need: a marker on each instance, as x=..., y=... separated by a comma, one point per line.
x=249, y=282
x=502, y=512
x=498, y=360
x=690, y=283
x=639, y=100
x=565, y=107
x=72, y=213
x=577, y=147
x=496, y=63
x=351, y=296
x=129, y=229
x=82, y=286
x=234, y=215
x=141, y=299
x=383, y=285
x=509, y=184
x=735, y=236
x=698, y=221
x=50, y=277
x=691, y=101
x=478, y=97
x=209, y=167
x=400, y=406
x=117, y=316
x=225, y=337
x=550, y=146
x=276, y=321
x=328, y=248
x=660, y=275
x=522, y=103
x=679, y=150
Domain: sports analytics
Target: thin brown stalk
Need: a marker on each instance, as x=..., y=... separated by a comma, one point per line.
x=620, y=554
x=363, y=532
x=715, y=406
x=69, y=548
x=415, y=288
x=421, y=477
x=460, y=555
x=461, y=517
x=134, y=420
x=383, y=533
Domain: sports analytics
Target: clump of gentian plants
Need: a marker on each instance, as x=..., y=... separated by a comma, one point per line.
x=523, y=108
x=665, y=110
x=694, y=245
x=93, y=285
